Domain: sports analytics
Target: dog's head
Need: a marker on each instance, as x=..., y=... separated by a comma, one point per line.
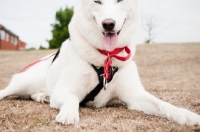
x=107, y=24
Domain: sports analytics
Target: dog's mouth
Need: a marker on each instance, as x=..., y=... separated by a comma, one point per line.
x=104, y=33
x=110, y=39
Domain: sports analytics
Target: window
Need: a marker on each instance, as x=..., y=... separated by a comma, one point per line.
x=15, y=41
x=2, y=34
x=12, y=39
x=7, y=37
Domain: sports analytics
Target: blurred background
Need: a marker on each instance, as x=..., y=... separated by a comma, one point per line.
x=34, y=24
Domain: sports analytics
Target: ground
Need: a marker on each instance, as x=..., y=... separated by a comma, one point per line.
x=171, y=72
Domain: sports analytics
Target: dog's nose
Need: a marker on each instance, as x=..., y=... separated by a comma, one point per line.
x=108, y=24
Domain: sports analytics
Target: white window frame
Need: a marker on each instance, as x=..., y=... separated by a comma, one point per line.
x=11, y=39
x=15, y=41
x=7, y=37
x=3, y=34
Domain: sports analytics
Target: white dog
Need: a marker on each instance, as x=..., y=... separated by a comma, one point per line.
x=101, y=36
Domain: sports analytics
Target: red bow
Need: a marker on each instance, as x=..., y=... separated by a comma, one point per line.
x=109, y=55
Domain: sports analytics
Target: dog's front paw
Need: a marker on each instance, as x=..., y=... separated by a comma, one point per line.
x=185, y=117
x=67, y=117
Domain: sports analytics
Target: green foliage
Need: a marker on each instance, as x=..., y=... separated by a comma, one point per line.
x=32, y=48
x=60, y=30
x=42, y=48
x=147, y=41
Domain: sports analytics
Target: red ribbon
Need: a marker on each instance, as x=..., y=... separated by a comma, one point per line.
x=33, y=63
x=108, y=61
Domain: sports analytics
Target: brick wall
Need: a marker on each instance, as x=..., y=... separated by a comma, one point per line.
x=21, y=45
x=7, y=46
x=10, y=41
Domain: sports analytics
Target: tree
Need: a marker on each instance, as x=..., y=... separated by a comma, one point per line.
x=154, y=25
x=60, y=30
x=151, y=24
x=42, y=48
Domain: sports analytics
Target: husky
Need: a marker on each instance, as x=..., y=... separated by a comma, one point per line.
x=102, y=37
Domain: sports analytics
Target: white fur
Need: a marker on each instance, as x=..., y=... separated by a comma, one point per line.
x=71, y=77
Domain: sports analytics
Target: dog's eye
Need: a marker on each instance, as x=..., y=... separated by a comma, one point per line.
x=98, y=2
x=119, y=1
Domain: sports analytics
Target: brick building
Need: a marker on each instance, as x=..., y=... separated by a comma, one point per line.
x=10, y=41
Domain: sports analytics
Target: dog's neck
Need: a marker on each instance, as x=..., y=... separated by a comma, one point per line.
x=93, y=55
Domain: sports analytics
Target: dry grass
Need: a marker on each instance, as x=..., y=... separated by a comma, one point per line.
x=170, y=72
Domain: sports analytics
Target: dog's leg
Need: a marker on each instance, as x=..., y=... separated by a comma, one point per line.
x=15, y=87
x=29, y=82
x=40, y=97
x=5, y=92
x=137, y=98
x=24, y=85
x=149, y=104
x=68, y=104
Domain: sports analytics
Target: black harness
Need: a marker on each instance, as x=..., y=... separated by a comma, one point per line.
x=56, y=55
x=98, y=88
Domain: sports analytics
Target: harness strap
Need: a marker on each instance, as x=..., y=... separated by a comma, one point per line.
x=92, y=94
x=98, y=88
x=99, y=71
x=56, y=55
